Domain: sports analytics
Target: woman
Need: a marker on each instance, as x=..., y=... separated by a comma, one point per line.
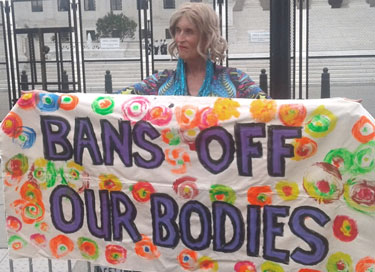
x=199, y=47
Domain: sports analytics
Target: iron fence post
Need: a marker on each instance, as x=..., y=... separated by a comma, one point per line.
x=325, y=85
x=108, y=82
x=263, y=83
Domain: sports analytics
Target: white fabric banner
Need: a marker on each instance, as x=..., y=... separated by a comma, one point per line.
x=186, y=183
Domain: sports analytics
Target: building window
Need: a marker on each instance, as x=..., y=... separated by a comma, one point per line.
x=62, y=5
x=169, y=4
x=36, y=5
x=89, y=5
x=167, y=34
x=116, y=4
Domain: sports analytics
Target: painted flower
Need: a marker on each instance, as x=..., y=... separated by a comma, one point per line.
x=263, y=110
x=44, y=172
x=75, y=176
x=146, y=249
x=68, y=101
x=304, y=148
x=320, y=122
x=61, y=246
x=292, y=115
x=340, y=158
x=38, y=239
x=259, y=195
x=245, y=266
x=269, y=266
x=226, y=108
x=366, y=264
x=27, y=101
x=26, y=137
x=109, y=182
x=207, y=118
x=88, y=248
x=359, y=194
x=159, y=115
x=115, y=254
x=11, y=124
x=339, y=261
x=219, y=192
x=16, y=242
x=323, y=182
x=364, y=158
x=103, y=105
x=142, y=191
x=206, y=263
x=13, y=223
x=186, y=187
x=345, y=228
x=170, y=136
x=188, y=259
x=187, y=116
x=189, y=135
x=48, y=102
x=136, y=108
x=17, y=166
x=178, y=158
x=287, y=190
x=364, y=130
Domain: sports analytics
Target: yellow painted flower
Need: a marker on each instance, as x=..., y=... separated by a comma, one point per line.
x=225, y=108
x=320, y=122
x=287, y=190
x=109, y=182
x=263, y=110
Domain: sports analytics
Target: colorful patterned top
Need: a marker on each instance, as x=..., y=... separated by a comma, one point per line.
x=225, y=82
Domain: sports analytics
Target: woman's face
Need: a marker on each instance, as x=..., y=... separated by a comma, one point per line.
x=187, y=38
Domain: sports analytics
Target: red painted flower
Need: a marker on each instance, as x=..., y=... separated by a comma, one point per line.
x=159, y=115
x=344, y=228
x=142, y=191
x=245, y=266
x=186, y=187
x=115, y=254
x=304, y=148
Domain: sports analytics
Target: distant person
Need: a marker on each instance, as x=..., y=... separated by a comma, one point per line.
x=197, y=44
x=164, y=48
x=156, y=47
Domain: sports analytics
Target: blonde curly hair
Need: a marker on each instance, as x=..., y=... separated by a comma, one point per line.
x=206, y=21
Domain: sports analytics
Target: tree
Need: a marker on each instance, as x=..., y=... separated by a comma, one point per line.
x=115, y=25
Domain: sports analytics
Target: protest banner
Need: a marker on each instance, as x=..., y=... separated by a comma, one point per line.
x=186, y=183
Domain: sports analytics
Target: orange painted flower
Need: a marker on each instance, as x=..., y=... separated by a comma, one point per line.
x=263, y=110
x=61, y=246
x=142, y=191
x=304, y=148
x=68, y=101
x=11, y=124
x=260, y=195
x=207, y=118
x=363, y=130
x=159, y=115
x=146, y=249
x=178, y=158
x=226, y=108
x=366, y=264
x=188, y=259
x=292, y=114
x=109, y=182
x=170, y=136
x=187, y=117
